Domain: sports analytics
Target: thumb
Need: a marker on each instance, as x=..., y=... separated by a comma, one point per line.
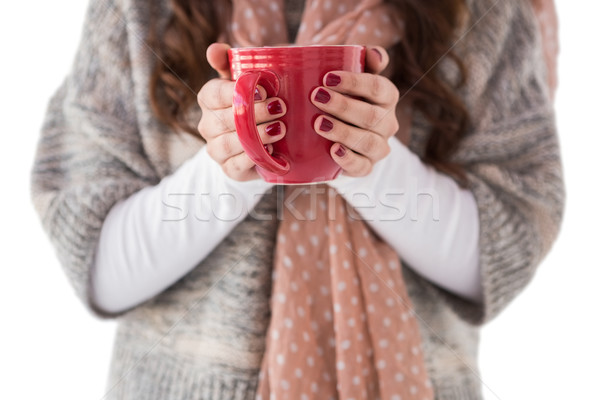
x=376, y=59
x=216, y=55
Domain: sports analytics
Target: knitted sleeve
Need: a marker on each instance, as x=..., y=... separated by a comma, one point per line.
x=511, y=155
x=89, y=154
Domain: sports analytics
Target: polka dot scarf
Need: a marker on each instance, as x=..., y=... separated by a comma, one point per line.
x=342, y=325
x=262, y=23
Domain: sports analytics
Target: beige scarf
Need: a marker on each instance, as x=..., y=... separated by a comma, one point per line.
x=342, y=324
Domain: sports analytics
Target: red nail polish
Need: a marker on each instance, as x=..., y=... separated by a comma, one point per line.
x=257, y=95
x=378, y=54
x=274, y=107
x=340, y=151
x=326, y=125
x=273, y=129
x=333, y=80
x=322, y=96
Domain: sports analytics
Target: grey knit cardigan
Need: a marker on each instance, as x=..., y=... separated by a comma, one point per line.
x=204, y=336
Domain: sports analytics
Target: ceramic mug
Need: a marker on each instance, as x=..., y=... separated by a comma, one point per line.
x=290, y=73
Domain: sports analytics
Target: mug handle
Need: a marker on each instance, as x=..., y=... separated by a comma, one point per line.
x=245, y=120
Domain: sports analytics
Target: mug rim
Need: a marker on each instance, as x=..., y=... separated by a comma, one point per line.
x=309, y=46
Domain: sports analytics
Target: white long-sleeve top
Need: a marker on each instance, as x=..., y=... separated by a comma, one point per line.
x=151, y=239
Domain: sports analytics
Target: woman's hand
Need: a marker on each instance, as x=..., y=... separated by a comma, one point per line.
x=217, y=126
x=361, y=127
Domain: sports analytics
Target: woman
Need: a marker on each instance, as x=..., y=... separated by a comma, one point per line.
x=207, y=292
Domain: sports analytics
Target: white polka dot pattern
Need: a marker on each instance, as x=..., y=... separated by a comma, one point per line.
x=367, y=22
x=341, y=324
x=341, y=331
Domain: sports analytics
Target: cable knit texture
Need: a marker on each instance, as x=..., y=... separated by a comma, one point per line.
x=204, y=336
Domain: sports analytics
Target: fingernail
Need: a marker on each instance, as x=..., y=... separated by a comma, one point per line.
x=378, y=54
x=257, y=95
x=340, y=151
x=322, y=96
x=273, y=129
x=326, y=125
x=274, y=107
x=333, y=80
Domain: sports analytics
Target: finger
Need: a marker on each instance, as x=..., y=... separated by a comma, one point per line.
x=353, y=164
x=356, y=112
x=240, y=167
x=216, y=55
x=228, y=145
x=366, y=143
x=216, y=94
x=269, y=110
x=216, y=123
x=260, y=94
x=271, y=132
x=376, y=59
x=373, y=88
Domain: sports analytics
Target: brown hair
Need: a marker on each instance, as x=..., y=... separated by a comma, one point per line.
x=429, y=32
x=181, y=48
x=429, y=37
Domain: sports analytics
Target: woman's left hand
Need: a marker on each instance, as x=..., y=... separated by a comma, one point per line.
x=360, y=127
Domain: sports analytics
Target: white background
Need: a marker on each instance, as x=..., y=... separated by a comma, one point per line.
x=544, y=346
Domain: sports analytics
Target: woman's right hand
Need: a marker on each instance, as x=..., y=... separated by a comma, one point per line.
x=217, y=126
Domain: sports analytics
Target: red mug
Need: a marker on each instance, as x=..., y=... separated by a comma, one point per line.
x=290, y=73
